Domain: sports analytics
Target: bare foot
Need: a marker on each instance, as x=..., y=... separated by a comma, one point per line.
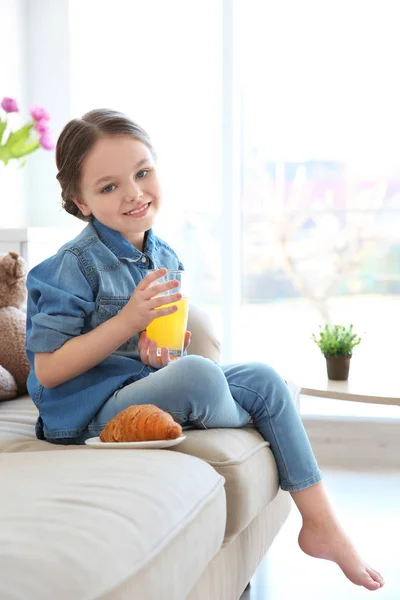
x=331, y=543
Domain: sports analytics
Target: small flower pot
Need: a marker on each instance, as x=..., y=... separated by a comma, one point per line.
x=338, y=367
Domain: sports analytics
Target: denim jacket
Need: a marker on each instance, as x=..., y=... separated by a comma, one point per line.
x=87, y=282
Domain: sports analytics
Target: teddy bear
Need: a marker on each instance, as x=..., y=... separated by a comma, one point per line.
x=14, y=365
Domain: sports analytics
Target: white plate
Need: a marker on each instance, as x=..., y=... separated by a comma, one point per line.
x=97, y=443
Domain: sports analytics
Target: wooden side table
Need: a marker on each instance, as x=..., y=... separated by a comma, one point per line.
x=366, y=383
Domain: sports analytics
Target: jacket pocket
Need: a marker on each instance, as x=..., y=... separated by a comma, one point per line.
x=108, y=307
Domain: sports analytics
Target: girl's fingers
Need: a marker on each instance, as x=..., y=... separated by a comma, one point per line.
x=152, y=354
x=188, y=335
x=161, y=300
x=143, y=347
x=164, y=358
x=150, y=278
x=162, y=312
x=160, y=288
x=154, y=359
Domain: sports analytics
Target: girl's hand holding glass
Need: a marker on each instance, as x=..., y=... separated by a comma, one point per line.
x=140, y=311
x=150, y=355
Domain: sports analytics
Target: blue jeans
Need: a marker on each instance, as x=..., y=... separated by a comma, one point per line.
x=199, y=393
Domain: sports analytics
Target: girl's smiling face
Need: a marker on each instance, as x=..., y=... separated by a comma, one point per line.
x=119, y=186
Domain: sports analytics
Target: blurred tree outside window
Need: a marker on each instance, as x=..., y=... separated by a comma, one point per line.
x=320, y=177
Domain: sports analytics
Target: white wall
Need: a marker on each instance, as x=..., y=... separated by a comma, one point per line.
x=48, y=84
x=158, y=61
x=35, y=39
x=12, y=83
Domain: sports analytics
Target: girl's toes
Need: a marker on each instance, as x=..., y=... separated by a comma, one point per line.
x=376, y=576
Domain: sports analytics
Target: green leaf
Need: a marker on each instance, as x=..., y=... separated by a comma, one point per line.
x=4, y=154
x=336, y=340
x=19, y=143
x=20, y=135
x=3, y=125
x=22, y=149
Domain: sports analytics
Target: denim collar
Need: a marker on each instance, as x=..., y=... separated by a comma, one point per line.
x=120, y=245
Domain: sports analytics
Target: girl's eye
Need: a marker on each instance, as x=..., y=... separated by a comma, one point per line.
x=142, y=173
x=109, y=188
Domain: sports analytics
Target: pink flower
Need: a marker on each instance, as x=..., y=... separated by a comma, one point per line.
x=38, y=113
x=9, y=105
x=41, y=126
x=46, y=142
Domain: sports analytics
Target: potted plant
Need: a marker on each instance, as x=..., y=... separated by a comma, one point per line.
x=16, y=145
x=336, y=343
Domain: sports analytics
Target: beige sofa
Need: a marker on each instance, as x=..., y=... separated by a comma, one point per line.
x=80, y=523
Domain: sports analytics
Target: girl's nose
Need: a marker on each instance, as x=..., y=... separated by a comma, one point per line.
x=134, y=191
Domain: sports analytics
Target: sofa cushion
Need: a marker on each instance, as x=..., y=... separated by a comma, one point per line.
x=17, y=423
x=241, y=456
x=246, y=462
x=107, y=523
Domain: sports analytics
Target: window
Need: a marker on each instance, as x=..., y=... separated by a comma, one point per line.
x=321, y=179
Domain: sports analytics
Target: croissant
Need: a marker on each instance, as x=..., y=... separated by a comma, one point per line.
x=141, y=423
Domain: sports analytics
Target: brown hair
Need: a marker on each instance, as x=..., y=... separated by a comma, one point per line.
x=78, y=138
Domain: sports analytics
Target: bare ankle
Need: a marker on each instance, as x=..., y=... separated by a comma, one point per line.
x=321, y=522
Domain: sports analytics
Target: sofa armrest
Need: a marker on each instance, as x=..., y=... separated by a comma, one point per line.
x=295, y=392
x=204, y=341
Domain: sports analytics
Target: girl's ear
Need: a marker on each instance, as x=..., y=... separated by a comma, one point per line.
x=81, y=204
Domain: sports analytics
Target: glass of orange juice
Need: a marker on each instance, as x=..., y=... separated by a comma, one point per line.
x=169, y=331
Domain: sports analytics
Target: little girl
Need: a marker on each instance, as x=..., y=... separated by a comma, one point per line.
x=90, y=304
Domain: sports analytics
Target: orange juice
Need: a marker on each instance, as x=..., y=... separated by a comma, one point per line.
x=169, y=331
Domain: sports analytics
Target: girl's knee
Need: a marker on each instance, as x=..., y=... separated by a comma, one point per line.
x=195, y=362
x=202, y=373
x=200, y=367
x=266, y=374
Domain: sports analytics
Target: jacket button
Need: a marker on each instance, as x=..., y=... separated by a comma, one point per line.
x=144, y=259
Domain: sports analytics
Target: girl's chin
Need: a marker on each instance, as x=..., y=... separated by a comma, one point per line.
x=138, y=227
